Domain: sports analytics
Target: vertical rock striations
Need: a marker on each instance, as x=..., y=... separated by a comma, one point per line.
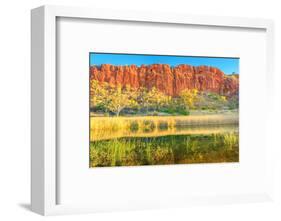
x=169, y=80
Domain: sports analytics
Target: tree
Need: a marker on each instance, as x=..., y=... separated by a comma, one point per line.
x=189, y=97
x=119, y=98
x=151, y=99
x=142, y=98
x=157, y=99
x=98, y=94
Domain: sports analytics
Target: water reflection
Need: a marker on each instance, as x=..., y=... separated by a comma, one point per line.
x=178, y=145
x=97, y=134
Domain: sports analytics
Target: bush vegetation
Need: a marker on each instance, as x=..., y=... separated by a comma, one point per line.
x=106, y=100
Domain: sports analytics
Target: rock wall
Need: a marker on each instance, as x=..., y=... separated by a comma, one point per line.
x=169, y=80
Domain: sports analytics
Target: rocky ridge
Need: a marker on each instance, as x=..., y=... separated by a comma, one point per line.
x=169, y=80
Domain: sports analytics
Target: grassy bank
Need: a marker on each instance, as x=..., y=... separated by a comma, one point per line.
x=108, y=127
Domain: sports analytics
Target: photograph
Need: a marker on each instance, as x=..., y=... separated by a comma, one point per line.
x=147, y=109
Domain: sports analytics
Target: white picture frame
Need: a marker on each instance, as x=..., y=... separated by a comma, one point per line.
x=44, y=103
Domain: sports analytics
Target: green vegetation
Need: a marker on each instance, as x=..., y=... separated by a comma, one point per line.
x=172, y=149
x=109, y=100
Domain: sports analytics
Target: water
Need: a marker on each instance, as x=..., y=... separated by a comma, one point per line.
x=204, y=144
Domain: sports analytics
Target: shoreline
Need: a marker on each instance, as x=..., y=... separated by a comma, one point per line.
x=106, y=127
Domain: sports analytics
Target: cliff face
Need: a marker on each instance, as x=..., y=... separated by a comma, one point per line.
x=169, y=80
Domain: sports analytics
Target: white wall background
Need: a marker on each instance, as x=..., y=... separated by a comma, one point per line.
x=15, y=107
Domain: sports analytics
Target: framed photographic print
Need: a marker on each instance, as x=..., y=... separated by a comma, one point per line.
x=138, y=110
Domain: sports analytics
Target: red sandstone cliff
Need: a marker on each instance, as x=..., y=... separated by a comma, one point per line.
x=170, y=80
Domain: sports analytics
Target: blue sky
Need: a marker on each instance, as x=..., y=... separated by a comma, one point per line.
x=227, y=65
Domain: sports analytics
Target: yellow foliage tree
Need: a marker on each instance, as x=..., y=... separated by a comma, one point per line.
x=189, y=97
x=119, y=98
x=156, y=98
x=98, y=93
